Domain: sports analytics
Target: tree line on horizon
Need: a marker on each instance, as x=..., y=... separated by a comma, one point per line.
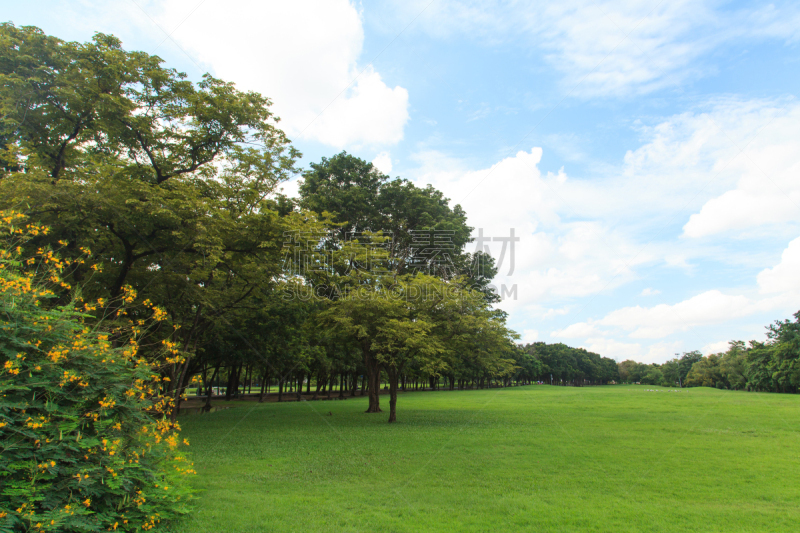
x=769, y=366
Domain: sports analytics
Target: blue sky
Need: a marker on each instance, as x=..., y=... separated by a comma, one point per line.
x=647, y=154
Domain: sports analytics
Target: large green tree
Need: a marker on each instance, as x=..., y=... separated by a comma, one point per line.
x=424, y=232
x=168, y=182
x=404, y=229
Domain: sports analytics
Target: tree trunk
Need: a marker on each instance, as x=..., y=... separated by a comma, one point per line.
x=179, y=385
x=229, y=385
x=374, y=386
x=374, y=390
x=207, y=406
x=320, y=381
x=264, y=381
x=236, y=381
x=300, y=386
x=393, y=375
x=201, y=388
x=280, y=389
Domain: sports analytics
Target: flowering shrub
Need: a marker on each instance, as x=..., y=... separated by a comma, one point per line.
x=84, y=443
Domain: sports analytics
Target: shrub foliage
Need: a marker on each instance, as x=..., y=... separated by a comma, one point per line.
x=84, y=443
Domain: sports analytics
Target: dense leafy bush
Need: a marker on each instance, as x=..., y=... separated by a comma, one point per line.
x=84, y=445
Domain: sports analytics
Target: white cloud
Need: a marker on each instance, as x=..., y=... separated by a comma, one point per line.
x=709, y=307
x=611, y=48
x=783, y=278
x=661, y=351
x=529, y=336
x=580, y=330
x=553, y=258
x=616, y=350
x=290, y=188
x=757, y=143
x=620, y=351
x=732, y=163
x=618, y=48
x=708, y=160
x=779, y=287
x=371, y=114
x=555, y=312
x=383, y=162
x=303, y=55
x=687, y=161
x=715, y=347
x=650, y=292
x=740, y=210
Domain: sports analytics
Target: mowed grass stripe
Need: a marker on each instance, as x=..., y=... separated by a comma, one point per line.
x=538, y=458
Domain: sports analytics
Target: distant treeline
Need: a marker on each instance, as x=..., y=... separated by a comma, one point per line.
x=771, y=366
x=564, y=365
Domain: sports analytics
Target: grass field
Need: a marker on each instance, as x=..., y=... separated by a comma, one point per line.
x=537, y=458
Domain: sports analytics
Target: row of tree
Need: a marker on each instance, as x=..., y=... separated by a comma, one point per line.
x=670, y=374
x=556, y=364
x=770, y=366
x=171, y=186
x=559, y=364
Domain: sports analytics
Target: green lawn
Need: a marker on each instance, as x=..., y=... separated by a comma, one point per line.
x=538, y=458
